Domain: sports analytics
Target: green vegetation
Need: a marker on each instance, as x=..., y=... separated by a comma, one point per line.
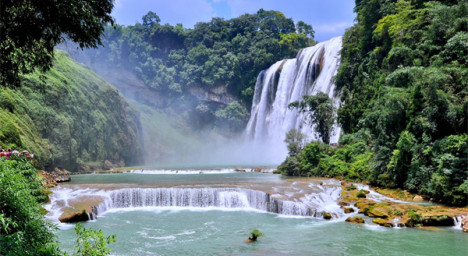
x=227, y=54
x=22, y=228
x=30, y=30
x=75, y=120
x=320, y=113
x=91, y=242
x=255, y=234
x=404, y=92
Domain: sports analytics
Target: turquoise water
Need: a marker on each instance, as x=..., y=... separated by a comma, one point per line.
x=197, y=231
x=186, y=232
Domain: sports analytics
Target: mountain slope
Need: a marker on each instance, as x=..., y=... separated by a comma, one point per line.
x=75, y=120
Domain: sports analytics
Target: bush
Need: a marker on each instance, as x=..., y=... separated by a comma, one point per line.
x=22, y=228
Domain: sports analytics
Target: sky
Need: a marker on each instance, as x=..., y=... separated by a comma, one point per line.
x=328, y=18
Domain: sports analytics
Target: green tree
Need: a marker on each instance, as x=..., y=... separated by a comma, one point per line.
x=320, y=113
x=295, y=141
x=91, y=242
x=150, y=19
x=304, y=28
x=30, y=30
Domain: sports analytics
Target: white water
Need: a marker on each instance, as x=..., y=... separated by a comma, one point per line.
x=287, y=81
x=457, y=222
x=211, y=198
x=198, y=171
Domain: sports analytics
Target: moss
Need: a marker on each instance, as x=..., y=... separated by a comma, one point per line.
x=379, y=221
x=361, y=194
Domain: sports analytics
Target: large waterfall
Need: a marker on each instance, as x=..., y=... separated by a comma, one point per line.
x=286, y=81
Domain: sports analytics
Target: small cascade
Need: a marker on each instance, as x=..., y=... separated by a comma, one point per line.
x=286, y=81
x=227, y=198
x=457, y=222
x=325, y=201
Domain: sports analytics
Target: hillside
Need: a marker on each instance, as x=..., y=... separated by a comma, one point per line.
x=74, y=120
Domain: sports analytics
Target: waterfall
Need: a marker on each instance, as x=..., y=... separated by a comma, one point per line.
x=457, y=222
x=286, y=81
x=230, y=198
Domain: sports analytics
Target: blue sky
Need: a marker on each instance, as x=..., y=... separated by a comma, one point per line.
x=329, y=18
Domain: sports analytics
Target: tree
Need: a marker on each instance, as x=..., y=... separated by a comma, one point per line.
x=150, y=19
x=30, y=29
x=91, y=242
x=320, y=113
x=306, y=29
x=295, y=140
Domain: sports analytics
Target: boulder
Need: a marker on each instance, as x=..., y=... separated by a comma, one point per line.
x=441, y=220
x=343, y=203
x=75, y=217
x=239, y=170
x=464, y=224
x=379, y=221
x=356, y=219
x=258, y=169
x=418, y=198
x=349, y=210
x=327, y=215
x=378, y=212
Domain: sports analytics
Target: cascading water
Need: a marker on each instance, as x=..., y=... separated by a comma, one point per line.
x=286, y=81
x=226, y=198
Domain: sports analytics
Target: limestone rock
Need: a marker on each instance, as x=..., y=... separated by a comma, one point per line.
x=377, y=212
x=74, y=217
x=327, y=216
x=355, y=219
x=464, y=224
x=349, y=210
x=379, y=221
x=418, y=198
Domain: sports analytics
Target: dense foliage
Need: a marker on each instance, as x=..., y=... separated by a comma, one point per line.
x=22, y=228
x=404, y=83
x=92, y=242
x=319, y=113
x=75, y=120
x=174, y=60
x=30, y=29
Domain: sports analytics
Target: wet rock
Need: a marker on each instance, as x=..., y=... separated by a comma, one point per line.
x=258, y=170
x=377, y=212
x=327, y=216
x=362, y=193
x=441, y=220
x=464, y=224
x=355, y=219
x=239, y=170
x=379, y=221
x=343, y=203
x=418, y=198
x=349, y=210
x=74, y=217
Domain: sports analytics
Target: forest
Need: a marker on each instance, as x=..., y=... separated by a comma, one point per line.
x=172, y=60
x=404, y=101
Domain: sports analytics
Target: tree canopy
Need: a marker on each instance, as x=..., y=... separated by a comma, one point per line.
x=30, y=30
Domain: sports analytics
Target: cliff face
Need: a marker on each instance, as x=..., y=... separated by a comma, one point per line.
x=75, y=120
